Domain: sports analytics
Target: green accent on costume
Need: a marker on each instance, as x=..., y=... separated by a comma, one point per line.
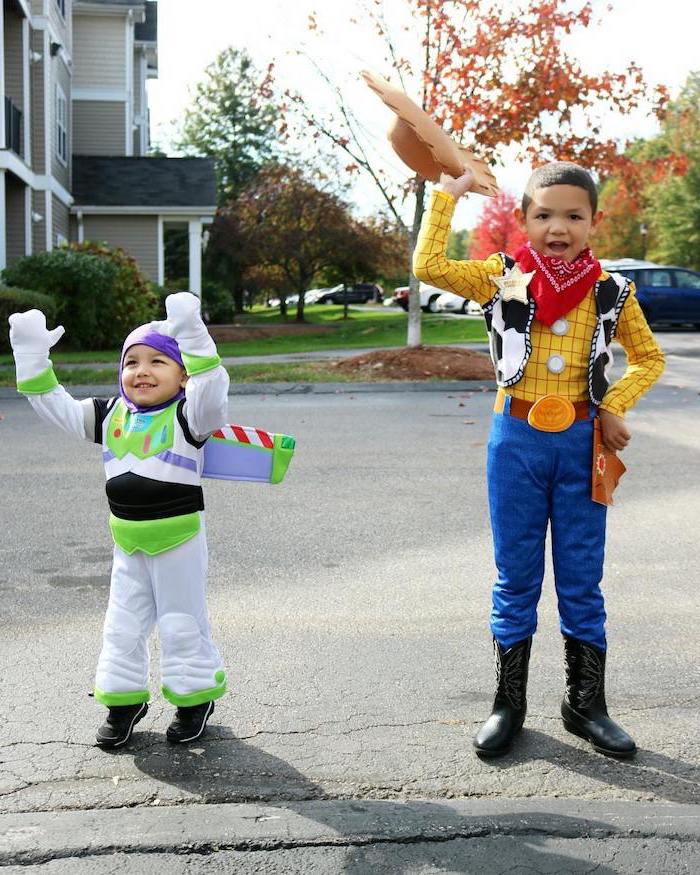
x=199, y=364
x=141, y=434
x=282, y=452
x=41, y=384
x=188, y=700
x=154, y=536
x=134, y=697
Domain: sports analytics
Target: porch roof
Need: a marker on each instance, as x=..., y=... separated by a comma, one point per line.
x=101, y=181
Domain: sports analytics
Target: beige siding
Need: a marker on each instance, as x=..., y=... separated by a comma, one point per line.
x=37, y=76
x=13, y=58
x=61, y=216
x=14, y=201
x=61, y=77
x=99, y=52
x=39, y=228
x=99, y=127
x=138, y=235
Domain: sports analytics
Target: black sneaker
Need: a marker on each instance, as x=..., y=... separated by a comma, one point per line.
x=189, y=723
x=120, y=722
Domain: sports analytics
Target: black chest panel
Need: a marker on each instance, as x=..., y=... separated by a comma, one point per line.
x=132, y=497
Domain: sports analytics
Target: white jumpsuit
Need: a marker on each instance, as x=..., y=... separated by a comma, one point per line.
x=153, y=583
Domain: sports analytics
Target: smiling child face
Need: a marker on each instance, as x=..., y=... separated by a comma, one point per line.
x=559, y=220
x=150, y=377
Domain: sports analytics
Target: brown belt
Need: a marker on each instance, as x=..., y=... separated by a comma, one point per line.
x=521, y=409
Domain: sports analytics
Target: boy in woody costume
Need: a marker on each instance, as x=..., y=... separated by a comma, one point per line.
x=552, y=313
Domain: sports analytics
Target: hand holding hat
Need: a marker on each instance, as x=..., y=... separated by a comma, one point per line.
x=423, y=145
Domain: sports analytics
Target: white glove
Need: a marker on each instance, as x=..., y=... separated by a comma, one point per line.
x=29, y=334
x=31, y=341
x=185, y=324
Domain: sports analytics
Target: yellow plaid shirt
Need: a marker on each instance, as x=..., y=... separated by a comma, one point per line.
x=472, y=279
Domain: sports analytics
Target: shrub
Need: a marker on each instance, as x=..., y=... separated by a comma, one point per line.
x=13, y=300
x=135, y=302
x=100, y=294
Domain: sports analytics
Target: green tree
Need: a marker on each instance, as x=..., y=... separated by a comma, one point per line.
x=232, y=119
x=673, y=211
x=458, y=245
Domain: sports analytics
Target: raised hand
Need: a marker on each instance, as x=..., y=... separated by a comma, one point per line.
x=29, y=334
x=457, y=186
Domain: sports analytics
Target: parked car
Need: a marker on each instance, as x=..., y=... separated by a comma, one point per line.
x=448, y=302
x=359, y=293
x=667, y=295
x=311, y=296
x=428, y=297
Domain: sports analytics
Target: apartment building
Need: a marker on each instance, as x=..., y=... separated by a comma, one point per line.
x=74, y=136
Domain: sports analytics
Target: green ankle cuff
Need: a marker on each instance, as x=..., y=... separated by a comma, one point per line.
x=188, y=700
x=133, y=697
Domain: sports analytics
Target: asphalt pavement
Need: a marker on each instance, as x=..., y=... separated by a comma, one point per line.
x=351, y=606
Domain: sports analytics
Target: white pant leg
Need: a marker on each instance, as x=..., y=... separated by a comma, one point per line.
x=122, y=669
x=191, y=667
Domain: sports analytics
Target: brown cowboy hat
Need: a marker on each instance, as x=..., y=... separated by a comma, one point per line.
x=423, y=145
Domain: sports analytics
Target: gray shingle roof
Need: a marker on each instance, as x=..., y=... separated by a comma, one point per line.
x=148, y=31
x=143, y=182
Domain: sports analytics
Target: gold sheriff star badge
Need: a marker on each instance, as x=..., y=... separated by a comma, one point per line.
x=513, y=284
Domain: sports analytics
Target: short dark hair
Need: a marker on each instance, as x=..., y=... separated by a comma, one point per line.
x=560, y=173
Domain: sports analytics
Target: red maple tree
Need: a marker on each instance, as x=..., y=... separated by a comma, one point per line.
x=497, y=229
x=493, y=75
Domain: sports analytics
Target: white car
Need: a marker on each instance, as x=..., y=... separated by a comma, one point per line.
x=448, y=302
x=311, y=296
x=428, y=297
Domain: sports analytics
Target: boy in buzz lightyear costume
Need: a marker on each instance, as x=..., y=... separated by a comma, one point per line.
x=173, y=395
x=552, y=313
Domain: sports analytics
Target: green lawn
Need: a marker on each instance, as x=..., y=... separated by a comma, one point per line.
x=369, y=327
x=283, y=372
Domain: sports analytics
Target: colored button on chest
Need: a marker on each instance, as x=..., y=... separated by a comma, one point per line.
x=560, y=327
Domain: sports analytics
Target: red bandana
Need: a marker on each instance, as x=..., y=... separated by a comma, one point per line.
x=558, y=285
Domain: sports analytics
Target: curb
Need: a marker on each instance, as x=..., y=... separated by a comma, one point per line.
x=31, y=838
x=304, y=388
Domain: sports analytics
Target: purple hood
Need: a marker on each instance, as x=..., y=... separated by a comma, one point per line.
x=163, y=343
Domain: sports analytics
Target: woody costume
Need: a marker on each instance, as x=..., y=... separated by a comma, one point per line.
x=552, y=343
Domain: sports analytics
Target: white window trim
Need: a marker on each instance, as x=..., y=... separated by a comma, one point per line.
x=61, y=125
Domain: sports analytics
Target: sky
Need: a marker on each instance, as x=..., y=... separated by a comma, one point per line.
x=660, y=36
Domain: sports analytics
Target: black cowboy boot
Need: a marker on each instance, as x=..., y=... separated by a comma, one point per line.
x=189, y=723
x=583, y=708
x=509, y=706
x=120, y=722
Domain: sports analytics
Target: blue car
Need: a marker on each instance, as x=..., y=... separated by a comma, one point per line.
x=667, y=295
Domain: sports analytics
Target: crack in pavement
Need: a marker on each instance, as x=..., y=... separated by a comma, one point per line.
x=28, y=858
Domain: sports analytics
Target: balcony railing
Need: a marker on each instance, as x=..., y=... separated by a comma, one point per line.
x=13, y=127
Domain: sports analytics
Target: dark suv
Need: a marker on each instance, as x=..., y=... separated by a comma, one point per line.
x=359, y=293
x=667, y=295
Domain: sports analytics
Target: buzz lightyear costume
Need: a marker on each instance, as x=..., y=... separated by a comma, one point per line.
x=154, y=459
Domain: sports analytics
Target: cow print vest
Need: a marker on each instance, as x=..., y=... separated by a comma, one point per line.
x=509, y=324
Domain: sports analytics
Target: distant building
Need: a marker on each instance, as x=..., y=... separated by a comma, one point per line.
x=75, y=132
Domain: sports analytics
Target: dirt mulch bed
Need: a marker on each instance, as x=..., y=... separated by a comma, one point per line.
x=420, y=363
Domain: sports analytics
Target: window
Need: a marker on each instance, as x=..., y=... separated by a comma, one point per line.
x=61, y=7
x=657, y=279
x=687, y=280
x=61, y=126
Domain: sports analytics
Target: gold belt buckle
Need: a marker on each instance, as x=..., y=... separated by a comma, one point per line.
x=551, y=413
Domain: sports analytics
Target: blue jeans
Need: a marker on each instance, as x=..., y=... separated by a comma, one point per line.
x=536, y=478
